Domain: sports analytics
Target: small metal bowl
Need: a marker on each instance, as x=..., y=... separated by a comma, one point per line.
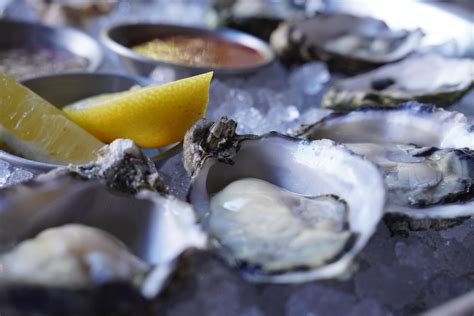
x=120, y=38
x=64, y=89
x=16, y=34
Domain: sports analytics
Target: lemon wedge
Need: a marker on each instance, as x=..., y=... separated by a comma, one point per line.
x=153, y=116
x=35, y=129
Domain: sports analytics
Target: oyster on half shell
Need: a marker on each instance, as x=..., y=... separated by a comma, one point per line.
x=410, y=123
x=438, y=182
x=426, y=153
x=429, y=78
x=348, y=43
x=280, y=209
x=85, y=270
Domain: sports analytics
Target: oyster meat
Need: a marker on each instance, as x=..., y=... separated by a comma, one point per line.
x=429, y=78
x=70, y=256
x=348, y=43
x=280, y=209
x=263, y=225
x=426, y=154
x=424, y=177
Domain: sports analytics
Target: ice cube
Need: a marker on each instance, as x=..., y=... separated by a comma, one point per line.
x=320, y=300
x=392, y=285
x=251, y=121
x=19, y=175
x=459, y=232
x=416, y=254
x=310, y=78
x=163, y=74
x=369, y=307
x=10, y=175
x=4, y=172
x=175, y=176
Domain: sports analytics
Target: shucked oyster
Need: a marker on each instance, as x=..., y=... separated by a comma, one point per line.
x=280, y=209
x=70, y=256
x=409, y=123
x=437, y=182
x=82, y=279
x=156, y=228
x=262, y=226
x=426, y=154
x=348, y=43
x=429, y=78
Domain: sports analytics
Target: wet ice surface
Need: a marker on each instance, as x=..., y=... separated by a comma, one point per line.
x=175, y=177
x=396, y=276
x=10, y=175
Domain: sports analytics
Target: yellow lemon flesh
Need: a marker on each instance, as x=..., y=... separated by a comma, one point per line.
x=153, y=116
x=36, y=130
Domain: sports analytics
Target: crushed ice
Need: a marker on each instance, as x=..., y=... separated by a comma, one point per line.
x=10, y=175
x=272, y=100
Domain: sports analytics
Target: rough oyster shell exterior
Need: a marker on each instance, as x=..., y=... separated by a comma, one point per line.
x=350, y=44
x=429, y=79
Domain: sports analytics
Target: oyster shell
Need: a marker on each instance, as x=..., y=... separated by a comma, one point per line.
x=411, y=123
x=348, y=43
x=157, y=228
x=429, y=78
x=145, y=223
x=294, y=172
x=424, y=182
x=74, y=13
x=122, y=167
x=426, y=154
x=258, y=17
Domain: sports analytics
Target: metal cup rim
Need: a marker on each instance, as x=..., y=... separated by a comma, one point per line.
x=226, y=33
